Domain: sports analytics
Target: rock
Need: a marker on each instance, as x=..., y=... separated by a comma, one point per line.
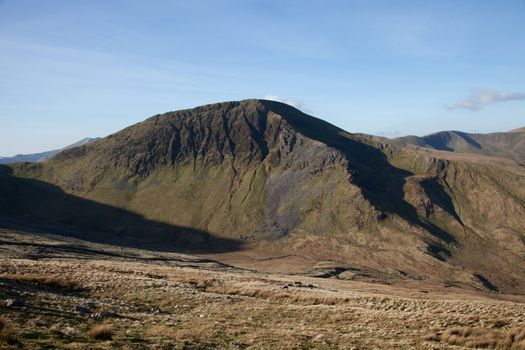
x=14, y=302
x=347, y=275
x=68, y=331
x=85, y=308
x=82, y=310
x=287, y=285
x=90, y=305
x=103, y=314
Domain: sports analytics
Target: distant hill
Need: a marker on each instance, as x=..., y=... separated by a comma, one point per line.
x=264, y=174
x=40, y=157
x=509, y=145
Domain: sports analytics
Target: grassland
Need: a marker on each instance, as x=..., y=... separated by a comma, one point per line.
x=82, y=295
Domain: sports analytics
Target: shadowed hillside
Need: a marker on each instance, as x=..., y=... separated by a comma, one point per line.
x=27, y=203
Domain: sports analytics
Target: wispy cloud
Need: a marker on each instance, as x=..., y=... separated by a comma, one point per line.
x=289, y=101
x=482, y=97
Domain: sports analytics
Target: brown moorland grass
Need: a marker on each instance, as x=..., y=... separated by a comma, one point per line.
x=7, y=334
x=101, y=332
x=169, y=301
x=485, y=338
x=295, y=298
x=45, y=280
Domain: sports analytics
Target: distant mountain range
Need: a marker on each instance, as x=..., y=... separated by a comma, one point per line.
x=41, y=156
x=509, y=145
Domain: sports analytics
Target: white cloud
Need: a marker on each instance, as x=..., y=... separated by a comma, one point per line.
x=292, y=102
x=482, y=97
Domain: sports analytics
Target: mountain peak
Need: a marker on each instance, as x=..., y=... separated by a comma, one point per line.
x=244, y=132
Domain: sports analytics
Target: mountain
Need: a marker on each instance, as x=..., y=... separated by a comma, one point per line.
x=40, y=157
x=262, y=176
x=509, y=145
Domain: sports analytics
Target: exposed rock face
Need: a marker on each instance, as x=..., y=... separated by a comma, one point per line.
x=262, y=171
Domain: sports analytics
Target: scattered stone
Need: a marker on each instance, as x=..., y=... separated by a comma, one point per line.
x=68, y=331
x=90, y=305
x=299, y=284
x=14, y=302
x=103, y=314
x=82, y=310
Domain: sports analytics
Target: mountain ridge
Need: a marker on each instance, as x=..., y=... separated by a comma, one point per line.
x=265, y=174
x=41, y=156
x=510, y=145
x=518, y=130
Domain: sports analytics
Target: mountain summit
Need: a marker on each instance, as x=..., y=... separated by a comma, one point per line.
x=267, y=176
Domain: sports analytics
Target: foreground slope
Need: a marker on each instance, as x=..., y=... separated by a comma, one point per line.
x=277, y=182
x=139, y=299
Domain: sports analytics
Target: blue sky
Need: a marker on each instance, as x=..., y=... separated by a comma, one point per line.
x=72, y=69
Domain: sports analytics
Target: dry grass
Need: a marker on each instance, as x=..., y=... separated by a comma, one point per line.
x=485, y=338
x=160, y=331
x=7, y=334
x=44, y=280
x=101, y=332
x=277, y=296
x=169, y=302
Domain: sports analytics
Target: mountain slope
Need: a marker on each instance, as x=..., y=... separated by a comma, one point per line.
x=268, y=176
x=41, y=156
x=509, y=145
